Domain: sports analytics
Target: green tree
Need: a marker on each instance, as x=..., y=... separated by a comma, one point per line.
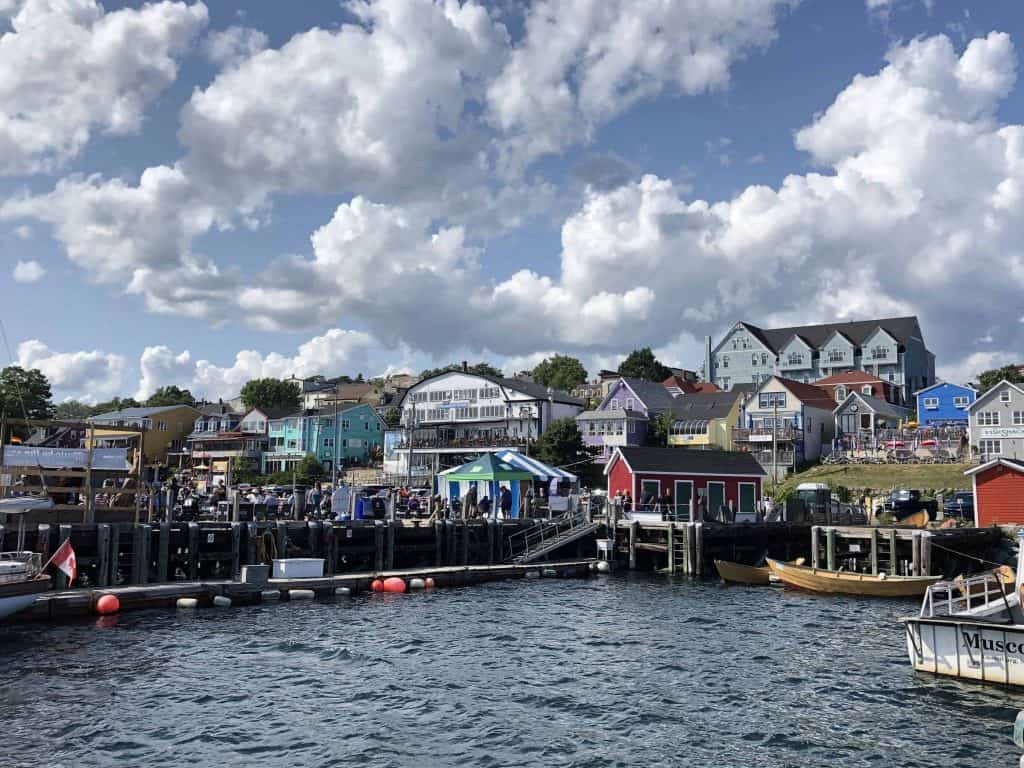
x=117, y=404
x=392, y=417
x=477, y=369
x=271, y=393
x=659, y=430
x=562, y=444
x=309, y=469
x=242, y=472
x=642, y=364
x=25, y=394
x=72, y=410
x=560, y=372
x=170, y=395
x=988, y=379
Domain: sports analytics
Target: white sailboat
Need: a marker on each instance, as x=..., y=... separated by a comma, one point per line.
x=971, y=628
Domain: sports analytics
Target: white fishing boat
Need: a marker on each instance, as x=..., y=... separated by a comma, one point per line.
x=21, y=576
x=971, y=628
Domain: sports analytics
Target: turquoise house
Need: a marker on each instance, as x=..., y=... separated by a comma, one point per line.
x=353, y=437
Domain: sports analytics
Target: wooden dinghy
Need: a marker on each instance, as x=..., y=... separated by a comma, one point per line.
x=738, y=573
x=839, y=582
x=918, y=519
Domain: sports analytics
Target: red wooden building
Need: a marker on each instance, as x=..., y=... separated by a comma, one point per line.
x=720, y=478
x=998, y=492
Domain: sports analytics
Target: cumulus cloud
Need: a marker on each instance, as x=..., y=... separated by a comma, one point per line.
x=89, y=376
x=68, y=69
x=28, y=272
x=334, y=351
x=919, y=206
x=584, y=62
x=233, y=45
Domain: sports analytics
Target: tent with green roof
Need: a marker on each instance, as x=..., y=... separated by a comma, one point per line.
x=491, y=470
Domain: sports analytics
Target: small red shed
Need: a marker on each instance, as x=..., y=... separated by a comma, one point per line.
x=720, y=478
x=998, y=492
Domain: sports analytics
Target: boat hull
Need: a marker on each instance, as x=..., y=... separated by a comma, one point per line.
x=969, y=650
x=737, y=573
x=17, y=596
x=836, y=583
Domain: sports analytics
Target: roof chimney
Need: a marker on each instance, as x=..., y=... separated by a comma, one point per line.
x=707, y=359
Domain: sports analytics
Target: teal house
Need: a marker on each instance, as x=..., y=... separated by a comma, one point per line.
x=354, y=437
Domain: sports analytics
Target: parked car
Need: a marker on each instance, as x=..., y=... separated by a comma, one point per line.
x=903, y=502
x=961, y=504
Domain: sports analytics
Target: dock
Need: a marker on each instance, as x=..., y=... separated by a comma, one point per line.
x=77, y=603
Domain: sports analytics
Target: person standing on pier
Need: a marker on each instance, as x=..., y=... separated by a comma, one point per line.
x=485, y=507
x=506, y=503
x=469, y=504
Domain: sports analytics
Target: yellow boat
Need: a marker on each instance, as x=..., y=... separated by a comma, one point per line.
x=737, y=573
x=839, y=582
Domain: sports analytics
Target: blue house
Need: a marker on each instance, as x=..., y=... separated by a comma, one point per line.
x=944, y=405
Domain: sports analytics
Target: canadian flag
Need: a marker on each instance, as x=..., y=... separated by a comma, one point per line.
x=64, y=559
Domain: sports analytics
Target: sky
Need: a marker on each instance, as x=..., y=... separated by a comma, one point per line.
x=201, y=194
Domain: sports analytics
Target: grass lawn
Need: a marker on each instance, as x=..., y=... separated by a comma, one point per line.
x=883, y=477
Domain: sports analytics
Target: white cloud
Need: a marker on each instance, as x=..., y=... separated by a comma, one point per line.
x=28, y=272
x=67, y=69
x=90, y=376
x=583, y=62
x=335, y=351
x=233, y=45
x=24, y=232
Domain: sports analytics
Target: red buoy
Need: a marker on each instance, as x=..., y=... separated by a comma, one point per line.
x=394, y=584
x=428, y=583
x=107, y=605
x=377, y=585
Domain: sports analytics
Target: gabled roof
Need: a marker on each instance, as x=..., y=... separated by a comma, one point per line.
x=611, y=413
x=528, y=388
x=881, y=407
x=947, y=384
x=849, y=377
x=272, y=414
x=138, y=413
x=709, y=405
x=984, y=395
x=1015, y=464
x=653, y=395
x=688, y=387
x=858, y=331
x=808, y=394
x=686, y=461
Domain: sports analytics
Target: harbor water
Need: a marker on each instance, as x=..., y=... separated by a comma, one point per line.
x=626, y=670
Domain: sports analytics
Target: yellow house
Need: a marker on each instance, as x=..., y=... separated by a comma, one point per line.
x=164, y=429
x=706, y=419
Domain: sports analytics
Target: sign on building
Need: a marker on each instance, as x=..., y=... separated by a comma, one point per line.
x=65, y=458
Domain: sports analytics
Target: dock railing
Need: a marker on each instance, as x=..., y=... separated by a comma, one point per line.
x=545, y=532
x=949, y=598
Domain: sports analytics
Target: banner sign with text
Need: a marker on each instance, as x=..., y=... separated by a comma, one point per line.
x=64, y=458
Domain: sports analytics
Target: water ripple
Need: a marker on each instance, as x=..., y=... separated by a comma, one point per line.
x=621, y=671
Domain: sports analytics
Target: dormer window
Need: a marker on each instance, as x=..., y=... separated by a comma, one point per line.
x=840, y=393
x=866, y=390
x=1004, y=396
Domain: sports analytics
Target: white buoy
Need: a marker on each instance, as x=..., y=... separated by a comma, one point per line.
x=532, y=575
x=417, y=584
x=343, y=592
x=604, y=566
x=270, y=594
x=549, y=573
x=221, y=601
x=301, y=594
x=187, y=602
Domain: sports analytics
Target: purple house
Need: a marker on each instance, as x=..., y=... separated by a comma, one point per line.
x=623, y=416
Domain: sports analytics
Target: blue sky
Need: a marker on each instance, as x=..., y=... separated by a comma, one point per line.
x=488, y=185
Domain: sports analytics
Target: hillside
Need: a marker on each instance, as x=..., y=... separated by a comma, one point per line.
x=882, y=477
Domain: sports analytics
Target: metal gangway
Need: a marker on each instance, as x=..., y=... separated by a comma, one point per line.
x=547, y=536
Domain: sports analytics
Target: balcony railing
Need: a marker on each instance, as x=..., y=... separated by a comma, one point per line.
x=782, y=458
x=482, y=441
x=764, y=434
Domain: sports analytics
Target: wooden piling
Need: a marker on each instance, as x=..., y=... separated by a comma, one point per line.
x=815, y=546
x=915, y=554
x=491, y=525
x=465, y=543
x=193, y=551
x=389, y=552
x=103, y=555
x=330, y=550
x=830, y=547
x=378, y=547
x=163, y=552
x=281, y=530
x=926, y=552
x=893, y=561
x=670, y=534
x=236, y=549
x=874, y=551
x=698, y=549
x=634, y=534
x=438, y=542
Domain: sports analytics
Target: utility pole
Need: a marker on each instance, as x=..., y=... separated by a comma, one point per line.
x=410, y=432
x=334, y=462
x=775, y=444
